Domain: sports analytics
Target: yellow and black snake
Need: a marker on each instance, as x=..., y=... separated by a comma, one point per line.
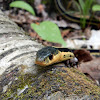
x=51, y=55
x=72, y=18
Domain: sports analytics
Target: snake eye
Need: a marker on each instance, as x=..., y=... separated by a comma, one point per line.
x=51, y=57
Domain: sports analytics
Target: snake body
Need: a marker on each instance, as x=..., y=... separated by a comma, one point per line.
x=62, y=11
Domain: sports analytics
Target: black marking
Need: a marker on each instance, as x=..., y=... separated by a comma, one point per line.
x=72, y=50
x=64, y=56
x=15, y=49
x=84, y=46
x=13, y=65
x=45, y=52
x=51, y=57
x=70, y=55
x=6, y=22
x=64, y=49
x=7, y=52
x=26, y=53
x=10, y=33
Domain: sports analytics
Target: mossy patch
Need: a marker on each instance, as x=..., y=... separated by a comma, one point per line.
x=67, y=80
x=80, y=83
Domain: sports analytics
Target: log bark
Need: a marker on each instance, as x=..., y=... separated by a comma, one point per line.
x=21, y=79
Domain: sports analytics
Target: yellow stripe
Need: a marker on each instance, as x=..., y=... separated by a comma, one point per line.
x=95, y=53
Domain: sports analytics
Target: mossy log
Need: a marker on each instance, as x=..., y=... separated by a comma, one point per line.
x=21, y=79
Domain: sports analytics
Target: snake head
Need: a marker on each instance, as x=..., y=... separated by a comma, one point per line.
x=50, y=55
x=47, y=56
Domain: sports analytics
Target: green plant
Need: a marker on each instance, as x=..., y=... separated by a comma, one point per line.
x=49, y=31
x=23, y=5
x=96, y=8
x=84, y=8
x=46, y=30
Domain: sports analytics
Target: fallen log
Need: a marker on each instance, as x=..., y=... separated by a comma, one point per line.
x=21, y=79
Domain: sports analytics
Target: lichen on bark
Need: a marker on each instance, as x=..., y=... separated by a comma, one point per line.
x=69, y=81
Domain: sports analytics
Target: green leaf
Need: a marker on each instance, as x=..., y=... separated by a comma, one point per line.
x=49, y=31
x=23, y=5
x=96, y=8
x=82, y=4
x=87, y=7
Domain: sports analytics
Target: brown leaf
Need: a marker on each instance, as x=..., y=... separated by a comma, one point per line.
x=65, y=33
x=83, y=55
x=92, y=69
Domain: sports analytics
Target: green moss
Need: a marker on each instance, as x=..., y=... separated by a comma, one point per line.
x=71, y=81
x=81, y=84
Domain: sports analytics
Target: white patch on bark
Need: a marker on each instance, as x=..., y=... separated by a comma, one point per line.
x=21, y=91
x=15, y=48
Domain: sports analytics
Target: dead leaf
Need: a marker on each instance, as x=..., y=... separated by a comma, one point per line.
x=83, y=55
x=65, y=33
x=92, y=69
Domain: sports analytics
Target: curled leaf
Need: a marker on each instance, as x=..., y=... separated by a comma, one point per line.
x=23, y=5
